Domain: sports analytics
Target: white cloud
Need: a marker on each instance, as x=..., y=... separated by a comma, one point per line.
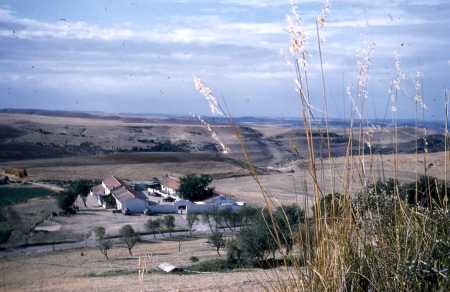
x=256, y=3
x=218, y=32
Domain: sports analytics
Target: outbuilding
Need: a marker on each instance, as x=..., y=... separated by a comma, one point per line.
x=129, y=202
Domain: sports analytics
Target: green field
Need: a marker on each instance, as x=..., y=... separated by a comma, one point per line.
x=15, y=195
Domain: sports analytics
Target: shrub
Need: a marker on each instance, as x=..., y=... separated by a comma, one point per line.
x=217, y=265
x=110, y=201
x=331, y=205
x=66, y=201
x=429, y=192
x=99, y=232
x=5, y=232
x=153, y=225
x=194, y=259
x=234, y=252
x=248, y=214
x=169, y=222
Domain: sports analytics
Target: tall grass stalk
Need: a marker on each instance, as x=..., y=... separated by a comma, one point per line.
x=446, y=154
x=372, y=240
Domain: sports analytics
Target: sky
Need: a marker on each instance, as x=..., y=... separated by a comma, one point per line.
x=141, y=56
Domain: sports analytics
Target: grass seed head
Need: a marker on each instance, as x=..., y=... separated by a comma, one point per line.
x=213, y=102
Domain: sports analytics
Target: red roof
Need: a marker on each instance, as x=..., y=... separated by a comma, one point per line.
x=112, y=183
x=171, y=182
x=122, y=194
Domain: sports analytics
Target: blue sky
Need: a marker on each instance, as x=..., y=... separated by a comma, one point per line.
x=141, y=56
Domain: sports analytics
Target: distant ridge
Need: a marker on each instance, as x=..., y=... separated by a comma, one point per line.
x=156, y=117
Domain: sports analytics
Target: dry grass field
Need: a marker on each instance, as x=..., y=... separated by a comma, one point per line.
x=126, y=166
x=289, y=188
x=87, y=270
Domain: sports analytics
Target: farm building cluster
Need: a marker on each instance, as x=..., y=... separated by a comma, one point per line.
x=154, y=197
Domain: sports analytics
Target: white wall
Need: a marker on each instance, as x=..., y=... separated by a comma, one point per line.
x=204, y=208
x=162, y=208
x=135, y=205
x=107, y=191
x=118, y=204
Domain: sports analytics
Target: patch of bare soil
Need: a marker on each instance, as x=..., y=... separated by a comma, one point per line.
x=289, y=188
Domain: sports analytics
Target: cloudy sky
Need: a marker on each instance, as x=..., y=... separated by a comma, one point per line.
x=141, y=56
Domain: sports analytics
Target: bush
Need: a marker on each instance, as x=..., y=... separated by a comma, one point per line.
x=234, y=252
x=404, y=238
x=66, y=202
x=194, y=259
x=248, y=214
x=218, y=265
x=99, y=232
x=430, y=193
x=153, y=225
x=110, y=202
x=332, y=205
x=169, y=222
x=5, y=232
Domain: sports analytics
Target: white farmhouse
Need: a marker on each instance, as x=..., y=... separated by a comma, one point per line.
x=170, y=185
x=110, y=184
x=129, y=202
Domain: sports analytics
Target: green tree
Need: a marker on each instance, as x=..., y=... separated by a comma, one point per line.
x=129, y=237
x=103, y=244
x=216, y=240
x=429, y=192
x=169, y=223
x=248, y=214
x=256, y=239
x=195, y=187
x=288, y=220
x=66, y=201
x=234, y=252
x=99, y=232
x=256, y=242
x=82, y=188
x=153, y=225
x=191, y=218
